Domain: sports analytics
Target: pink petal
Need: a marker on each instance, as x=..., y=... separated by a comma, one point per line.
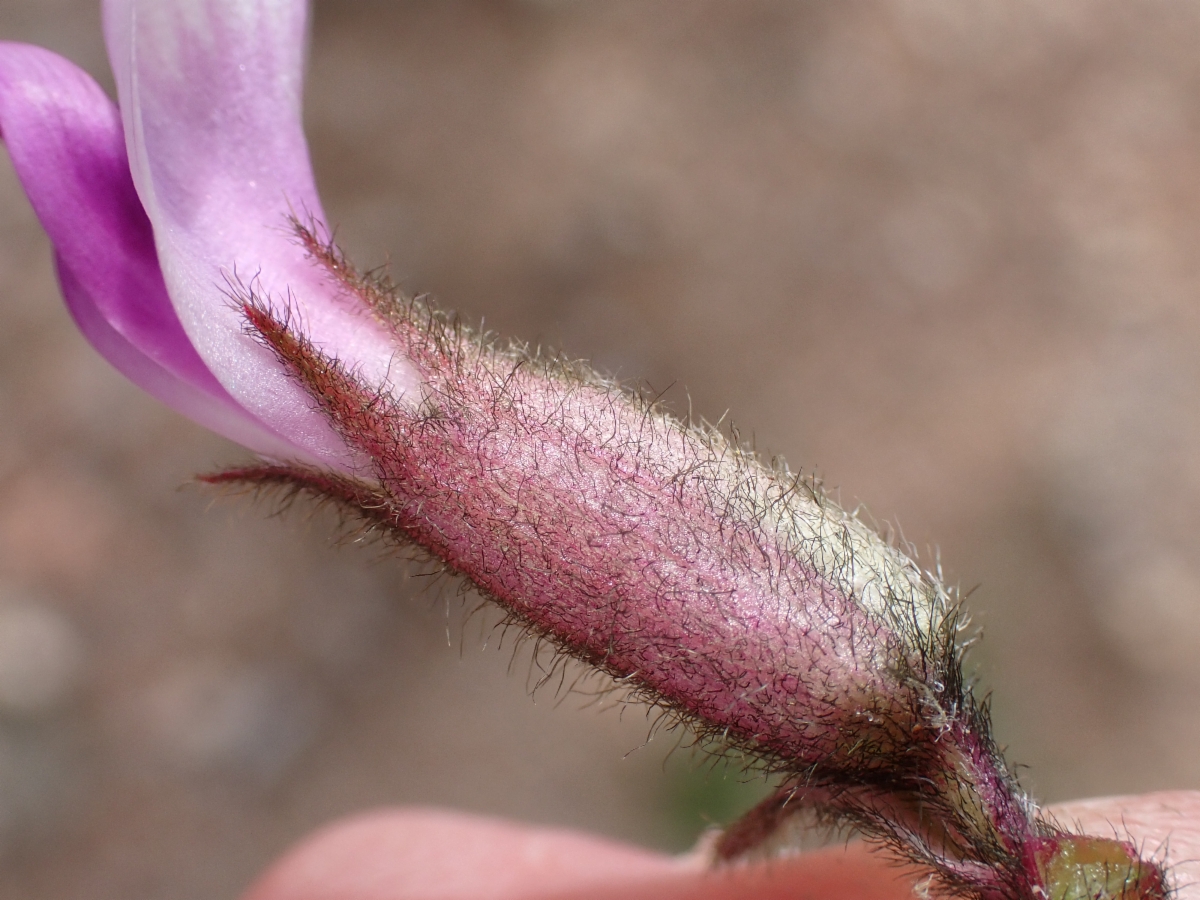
x=210, y=95
x=218, y=413
x=65, y=140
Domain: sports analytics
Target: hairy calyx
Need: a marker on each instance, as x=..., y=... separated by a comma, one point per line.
x=732, y=593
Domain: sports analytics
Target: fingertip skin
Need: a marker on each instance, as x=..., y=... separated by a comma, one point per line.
x=430, y=854
x=426, y=854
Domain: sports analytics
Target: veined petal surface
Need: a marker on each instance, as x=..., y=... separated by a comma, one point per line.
x=65, y=139
x=210, y=93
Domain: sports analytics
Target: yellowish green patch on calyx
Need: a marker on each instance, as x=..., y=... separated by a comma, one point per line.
x=1081, y=867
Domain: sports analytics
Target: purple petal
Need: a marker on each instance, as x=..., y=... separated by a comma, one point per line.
x=222, y=416
x=65, y=140
x=210, y=95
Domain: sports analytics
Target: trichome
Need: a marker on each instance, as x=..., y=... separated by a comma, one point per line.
x=728, y=591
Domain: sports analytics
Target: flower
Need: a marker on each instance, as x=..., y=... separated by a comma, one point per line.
x=148, y=239
x=734, y=595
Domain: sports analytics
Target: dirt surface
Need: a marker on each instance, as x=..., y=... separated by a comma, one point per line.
x=943, y=256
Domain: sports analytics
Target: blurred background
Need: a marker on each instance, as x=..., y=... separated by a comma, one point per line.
x=942, y=254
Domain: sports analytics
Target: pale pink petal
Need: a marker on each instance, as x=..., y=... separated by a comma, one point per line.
x=210, y=96
x=65, y=140
x=216, y=413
